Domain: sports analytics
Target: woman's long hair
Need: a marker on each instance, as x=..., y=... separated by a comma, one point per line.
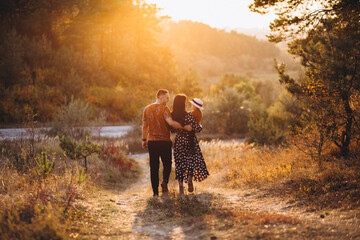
x=178, y=109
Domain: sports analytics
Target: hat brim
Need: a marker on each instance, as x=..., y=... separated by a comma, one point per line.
x=196, y=105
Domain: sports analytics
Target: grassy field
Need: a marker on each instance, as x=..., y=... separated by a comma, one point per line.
x=38, y=206
x=67, y=203
x=287, y=172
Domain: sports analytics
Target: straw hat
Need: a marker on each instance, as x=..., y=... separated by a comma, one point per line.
x=197, y=103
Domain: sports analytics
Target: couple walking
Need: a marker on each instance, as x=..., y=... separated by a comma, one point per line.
x=157, y=123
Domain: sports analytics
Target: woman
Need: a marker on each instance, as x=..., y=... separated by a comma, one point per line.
x=189, y=161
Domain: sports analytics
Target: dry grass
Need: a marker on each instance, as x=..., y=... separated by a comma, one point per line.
x=32, y=207
x=240, y=164
x=285, y=171
x=36, y=209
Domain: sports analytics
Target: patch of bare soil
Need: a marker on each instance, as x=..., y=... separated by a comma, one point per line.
x=209, y=213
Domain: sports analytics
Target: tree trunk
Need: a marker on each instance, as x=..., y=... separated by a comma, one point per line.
x=346, y=135
x=85, y=161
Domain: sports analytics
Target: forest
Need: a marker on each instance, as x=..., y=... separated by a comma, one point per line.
x=281, y=129
x=112, y=55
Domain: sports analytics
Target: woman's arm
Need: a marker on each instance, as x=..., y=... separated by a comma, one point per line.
x=174, y=130
x=193, y=123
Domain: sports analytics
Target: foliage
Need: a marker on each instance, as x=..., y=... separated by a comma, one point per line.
x=68, y=146
x=234, y=101
x=52, y=51
x=30, y=222
x=227, y=113
x=238, y=103
x=213, y=52
x=332, y=83
x=230, y=80
x=190, y=84
x=15, y=154
x=115, y=156
x=262, y=130
x=76, y=120
x=33, y=85
x=285, y=171
x=327, y=42
x=311, y=140
x=271, y=125
x=34, y=209
x=86, y=149
x=38, y=208
x=44, y=166
x=82, y=177
x=80, y=150
x=298, y=18
x=112, y=55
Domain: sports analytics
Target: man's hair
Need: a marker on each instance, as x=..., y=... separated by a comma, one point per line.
x=161, y=92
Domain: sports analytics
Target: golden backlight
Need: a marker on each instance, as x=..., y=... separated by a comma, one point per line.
x=228, y=14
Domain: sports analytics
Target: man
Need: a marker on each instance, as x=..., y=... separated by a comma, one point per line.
x=156, y=137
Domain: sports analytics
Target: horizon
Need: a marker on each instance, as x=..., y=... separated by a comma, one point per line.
x=227, y=15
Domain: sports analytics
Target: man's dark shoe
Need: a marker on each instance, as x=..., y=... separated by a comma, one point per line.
x=164, y=187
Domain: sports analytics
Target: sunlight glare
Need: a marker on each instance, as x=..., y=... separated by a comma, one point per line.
x=229, y=14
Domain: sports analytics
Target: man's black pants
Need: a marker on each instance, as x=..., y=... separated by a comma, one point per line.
x=159, y=149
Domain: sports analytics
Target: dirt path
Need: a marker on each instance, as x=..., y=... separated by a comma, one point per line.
x=210, y=213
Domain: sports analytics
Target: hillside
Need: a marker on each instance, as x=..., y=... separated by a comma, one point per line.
x=213, y=52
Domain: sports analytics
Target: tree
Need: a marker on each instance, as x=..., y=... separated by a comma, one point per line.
x=228, y=112
x=327, y=41
x=81, y=150
x=190, y=84
x=296, y=19
x=229, y=81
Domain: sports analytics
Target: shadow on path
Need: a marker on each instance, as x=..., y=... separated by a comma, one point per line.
x=174, y=217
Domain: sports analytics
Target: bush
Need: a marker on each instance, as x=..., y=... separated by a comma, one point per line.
x=77, y=120
x=34, y=209
x=28, y=221
x=76, y=150
x=15, y=155
x=227, y=113
x=263, y=131
x=44, y=167
x=114, y=155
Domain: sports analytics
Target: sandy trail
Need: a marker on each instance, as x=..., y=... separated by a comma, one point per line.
x=131, y=214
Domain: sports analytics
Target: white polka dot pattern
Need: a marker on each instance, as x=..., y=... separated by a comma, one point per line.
x=189, y=159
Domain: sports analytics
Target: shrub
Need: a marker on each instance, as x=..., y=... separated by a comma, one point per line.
x=44, y=167
x=116, y=157
x=15, y=154
x=227, y=113
x=78, y=150
x=33, y=209
x=263, y=131
x=29, y=221
x=82, y=177
x=77, y=120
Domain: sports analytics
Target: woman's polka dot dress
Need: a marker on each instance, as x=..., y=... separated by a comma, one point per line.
x=187, y=159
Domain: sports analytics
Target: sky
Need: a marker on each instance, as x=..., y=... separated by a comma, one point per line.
x=222, y=14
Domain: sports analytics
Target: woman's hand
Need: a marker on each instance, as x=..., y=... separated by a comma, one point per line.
x=188, y=128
